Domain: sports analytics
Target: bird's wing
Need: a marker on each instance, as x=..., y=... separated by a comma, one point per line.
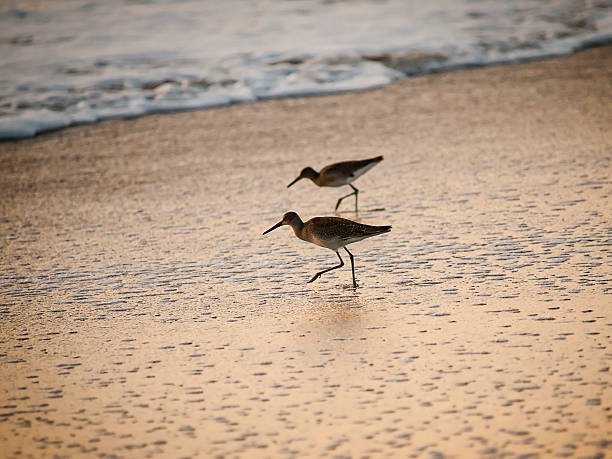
x=339, y=170
x=349, y=230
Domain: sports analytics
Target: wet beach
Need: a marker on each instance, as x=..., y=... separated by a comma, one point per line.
x=143, y=314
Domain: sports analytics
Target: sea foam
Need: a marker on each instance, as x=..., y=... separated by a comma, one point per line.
x=73, y=62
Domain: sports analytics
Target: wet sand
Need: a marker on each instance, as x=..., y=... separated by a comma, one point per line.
x=143, y=314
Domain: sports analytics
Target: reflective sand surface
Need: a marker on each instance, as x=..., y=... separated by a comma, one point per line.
x=144, y=314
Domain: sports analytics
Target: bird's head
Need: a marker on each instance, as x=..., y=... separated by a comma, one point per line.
x=307, y=172
x=290, y=218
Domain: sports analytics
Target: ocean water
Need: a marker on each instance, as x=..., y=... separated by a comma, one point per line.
x=67, y=62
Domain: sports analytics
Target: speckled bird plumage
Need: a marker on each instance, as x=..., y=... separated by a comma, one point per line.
x=332, y=233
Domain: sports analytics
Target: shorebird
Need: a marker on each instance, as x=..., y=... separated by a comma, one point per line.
x=339, y=174
x=332, y=233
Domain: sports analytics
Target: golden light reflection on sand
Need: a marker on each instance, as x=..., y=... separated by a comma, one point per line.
x=142, y=314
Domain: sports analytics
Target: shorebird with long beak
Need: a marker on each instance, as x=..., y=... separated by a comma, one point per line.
x=332, y=233
x=339, y=174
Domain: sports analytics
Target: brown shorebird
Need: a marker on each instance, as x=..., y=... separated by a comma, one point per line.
x=339, y=174
x=332, y=233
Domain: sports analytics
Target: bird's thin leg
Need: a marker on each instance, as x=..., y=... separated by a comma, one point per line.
x=352, y=267
x=350, y=194
x=356, y=194
x=317, y=275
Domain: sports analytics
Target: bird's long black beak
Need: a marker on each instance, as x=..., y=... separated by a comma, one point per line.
x=274, y=227
x=294, y=181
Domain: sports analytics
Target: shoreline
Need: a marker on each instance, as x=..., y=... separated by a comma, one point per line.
x=604, y=41
x=142, y=311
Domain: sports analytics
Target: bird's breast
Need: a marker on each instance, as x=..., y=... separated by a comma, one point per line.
x=329, y=241
x=333, y=180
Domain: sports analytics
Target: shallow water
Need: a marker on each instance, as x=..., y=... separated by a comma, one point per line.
x=65, y=62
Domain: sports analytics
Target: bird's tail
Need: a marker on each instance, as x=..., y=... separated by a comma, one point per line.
x=375, y=230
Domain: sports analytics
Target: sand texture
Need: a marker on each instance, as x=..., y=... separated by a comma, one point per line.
x=143, y=314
